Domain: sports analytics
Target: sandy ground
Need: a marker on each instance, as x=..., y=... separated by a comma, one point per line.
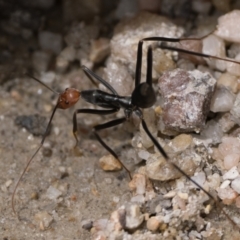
x=87, y=192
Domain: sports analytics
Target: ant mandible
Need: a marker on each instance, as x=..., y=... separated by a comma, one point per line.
x=143, y=96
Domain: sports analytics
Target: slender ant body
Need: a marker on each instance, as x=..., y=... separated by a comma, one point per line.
x=143, y=96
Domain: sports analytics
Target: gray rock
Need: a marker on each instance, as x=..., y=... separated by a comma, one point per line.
x=186, y=99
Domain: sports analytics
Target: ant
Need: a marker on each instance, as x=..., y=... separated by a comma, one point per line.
x=143, y=96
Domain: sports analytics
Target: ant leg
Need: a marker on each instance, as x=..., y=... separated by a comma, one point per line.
x=91, y=74
x=178, y=40
x=138, y=64
x=149, y=66
x=31, y=159
x=160, y=149
x=144, y=96
x=89, y=111
x=108, y=125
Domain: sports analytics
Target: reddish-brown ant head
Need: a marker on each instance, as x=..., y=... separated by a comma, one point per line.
x=68, y=98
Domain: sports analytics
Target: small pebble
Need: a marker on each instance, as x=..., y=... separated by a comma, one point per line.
x=228, y=81
x=8, y=183
x=208, y=209
x=234, y=50
x=199, y=178
x=194, y=46
x=235, y=111
x=138, y=184
x=143, y=154
x=153, y=224
x=237, y=202
x=138, y=198
x=158, y=208
x=16, y=95
x=87, y=224
x=226, y=122
x=231, y=174
x=170, y=232
x=179, y=203
x=158, y=169
x=183, y=195
x=228, y=195
x=108, y=180
x=166, y=203
x=134, y=217
x=227, y=29
x=47, y=152
x=181, y=142
x=214, y=46
x=225, y=184
x=194, y=235
x=231, y=161
x=53, y=193
x=44, y=220
x=61, y=64
x=214, y=180
x=212, y=131
x=35, y=196
x=222, y=100
x=170, y=194
x=119, y=218
x=234, y=68
x=236, y=185
x=116, y=199
x=229, y=146
x=109, y=163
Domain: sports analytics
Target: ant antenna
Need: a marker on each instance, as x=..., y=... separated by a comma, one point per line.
x=37, y=80
x=65, y=100
x=31, y=159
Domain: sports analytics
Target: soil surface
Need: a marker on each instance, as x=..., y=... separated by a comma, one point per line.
x=87, y=193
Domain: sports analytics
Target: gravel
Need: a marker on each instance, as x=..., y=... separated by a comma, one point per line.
x=65, y=193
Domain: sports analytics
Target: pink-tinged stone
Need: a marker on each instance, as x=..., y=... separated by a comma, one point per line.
x=228, y=27
x=186, y=99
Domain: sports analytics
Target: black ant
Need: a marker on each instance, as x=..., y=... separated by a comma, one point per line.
x=143, y=96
